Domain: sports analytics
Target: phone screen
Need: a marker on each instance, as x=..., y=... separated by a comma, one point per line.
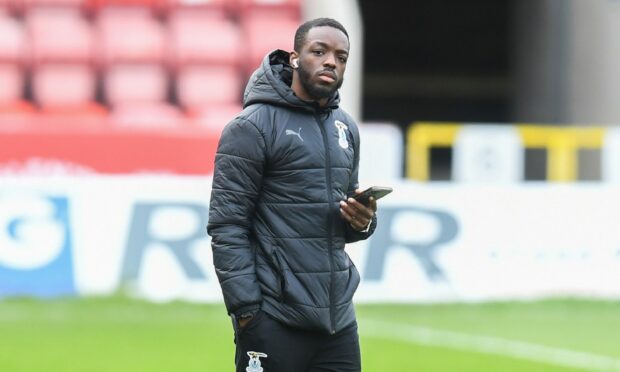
x=376, y=192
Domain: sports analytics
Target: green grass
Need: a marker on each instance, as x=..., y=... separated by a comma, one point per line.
x=126, y=335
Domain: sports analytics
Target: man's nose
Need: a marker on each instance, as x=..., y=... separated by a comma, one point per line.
x=330, y=60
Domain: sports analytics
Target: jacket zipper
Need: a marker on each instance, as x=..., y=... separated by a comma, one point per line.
x=330, y=224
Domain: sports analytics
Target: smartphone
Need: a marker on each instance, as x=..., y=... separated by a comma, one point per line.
x=376, y=192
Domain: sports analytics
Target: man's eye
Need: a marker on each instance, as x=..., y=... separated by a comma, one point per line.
x=343, y=59
x=318, y=52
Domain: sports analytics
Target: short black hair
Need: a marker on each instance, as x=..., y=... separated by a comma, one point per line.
x=302, y=31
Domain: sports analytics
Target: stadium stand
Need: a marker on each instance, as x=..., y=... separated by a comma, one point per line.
x=154, y=7
x=215, y=8
x=213, y=118
x=132, y=58
x=199, y=36
x=130, y=62
x=135, y=83
x=61, y=54
x=12, y=39
x=28, y=5
x=6, y=8
x=59, y=35
x=17, y=110
x=263, y=33
x=12, y=82
x=208, y=85
x=12, y=52
x=128, y=35
x=12, y=68
x=78, y=82
x=273, y=8
x=146, y=115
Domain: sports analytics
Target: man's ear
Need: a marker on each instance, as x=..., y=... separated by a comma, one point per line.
x=294, y=59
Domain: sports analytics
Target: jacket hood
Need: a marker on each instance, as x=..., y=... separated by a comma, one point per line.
x=271, y=83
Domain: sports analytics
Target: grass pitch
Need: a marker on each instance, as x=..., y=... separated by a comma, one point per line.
x=122, y=335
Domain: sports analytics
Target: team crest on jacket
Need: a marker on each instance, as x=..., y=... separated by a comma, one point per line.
x=254, y=364
x=342, y=134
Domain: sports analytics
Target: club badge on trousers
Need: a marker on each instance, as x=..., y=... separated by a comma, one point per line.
x=254, y=363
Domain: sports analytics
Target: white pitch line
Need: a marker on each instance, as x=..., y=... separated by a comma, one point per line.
x=488, y=345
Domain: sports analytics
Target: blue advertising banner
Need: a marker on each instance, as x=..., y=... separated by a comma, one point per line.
x=35, y=246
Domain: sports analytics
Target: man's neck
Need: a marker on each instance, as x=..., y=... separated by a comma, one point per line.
x=301, y=93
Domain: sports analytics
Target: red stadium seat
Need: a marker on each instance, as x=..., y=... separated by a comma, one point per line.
x=89, y=114
x=126, y=3
x=214, y=118
x=11, y=82
x=63, y=85
x=197, y=37
x=17, y=108
x=13, y=107
x=264, y=34
x=135, y=83
x=272, y=8
x=130, y=35
x=16, y=112
x=29, y=4
x=51, y=14
x=12, y=40
x=147, y=115
x=86, y=109
x=208, y=85
x=215, y=8
x=7, y=7
x=150, y=5
x=59, y=35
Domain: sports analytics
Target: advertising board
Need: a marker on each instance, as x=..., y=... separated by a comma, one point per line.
x=146, y=236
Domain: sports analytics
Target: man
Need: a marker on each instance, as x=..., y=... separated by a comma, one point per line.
x=281, y=211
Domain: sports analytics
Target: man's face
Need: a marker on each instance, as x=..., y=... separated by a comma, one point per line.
x=322, y=62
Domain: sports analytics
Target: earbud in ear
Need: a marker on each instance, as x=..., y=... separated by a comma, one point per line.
x=295, y=63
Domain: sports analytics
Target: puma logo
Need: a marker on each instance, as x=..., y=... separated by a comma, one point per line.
x=290, y=132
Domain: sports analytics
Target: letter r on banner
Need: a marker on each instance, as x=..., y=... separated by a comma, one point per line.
x=173, y=225
x=383, y=240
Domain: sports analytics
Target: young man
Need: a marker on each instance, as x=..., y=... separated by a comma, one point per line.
x=281, y=211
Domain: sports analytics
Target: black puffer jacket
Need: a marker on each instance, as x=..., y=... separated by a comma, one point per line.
x=281, y=169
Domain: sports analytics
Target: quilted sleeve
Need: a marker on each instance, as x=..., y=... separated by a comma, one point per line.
x=237, y=182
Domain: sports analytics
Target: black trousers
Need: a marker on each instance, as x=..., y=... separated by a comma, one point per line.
x=268, y=344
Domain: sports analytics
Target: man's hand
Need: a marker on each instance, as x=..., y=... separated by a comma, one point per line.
x=358, y=214
x=244, y=321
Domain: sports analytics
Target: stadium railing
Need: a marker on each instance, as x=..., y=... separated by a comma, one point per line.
x=562, y=146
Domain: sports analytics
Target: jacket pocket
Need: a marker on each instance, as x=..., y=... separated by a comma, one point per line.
x=281, y=275
x=352, y=284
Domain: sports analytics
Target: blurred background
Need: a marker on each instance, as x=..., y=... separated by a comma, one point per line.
x=493, y=120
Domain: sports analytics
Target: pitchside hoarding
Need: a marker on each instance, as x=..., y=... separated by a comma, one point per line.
x=145, y=235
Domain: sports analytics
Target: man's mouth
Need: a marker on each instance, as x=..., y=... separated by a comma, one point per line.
x=328, y=77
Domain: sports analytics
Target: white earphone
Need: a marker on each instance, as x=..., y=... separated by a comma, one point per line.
x=294, y=63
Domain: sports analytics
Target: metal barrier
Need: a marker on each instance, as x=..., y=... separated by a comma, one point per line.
x=562, y=145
